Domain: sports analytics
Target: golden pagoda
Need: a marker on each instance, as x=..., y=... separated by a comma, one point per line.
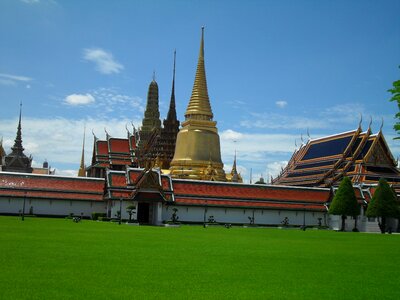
x=197, y=152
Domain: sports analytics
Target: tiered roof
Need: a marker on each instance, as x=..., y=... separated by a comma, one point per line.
x=51, y=187
x=17, y=161
x=128, y=184
x=113, y=153
x=164, y=148
x=322, y=162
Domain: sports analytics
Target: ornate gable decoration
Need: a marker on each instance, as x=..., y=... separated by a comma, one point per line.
x=149, y=179
x=378, y=154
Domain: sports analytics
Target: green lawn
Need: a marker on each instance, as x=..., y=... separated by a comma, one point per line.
x=56, y=258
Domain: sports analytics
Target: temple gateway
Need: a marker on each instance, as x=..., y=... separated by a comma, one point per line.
x=165, y=172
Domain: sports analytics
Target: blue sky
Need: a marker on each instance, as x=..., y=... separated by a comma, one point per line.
x=274, y=69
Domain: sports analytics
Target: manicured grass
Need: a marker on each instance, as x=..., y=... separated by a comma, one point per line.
x=56, y=258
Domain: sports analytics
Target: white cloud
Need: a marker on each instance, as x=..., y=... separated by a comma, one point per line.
x=263, y=153
x=109, y=100
x=9, y=79
x=59, y=140
x=71, y=173
x=281, y=121
x=332, y=117
x=30, y=1
x=231, y=135
x=104, y=61
x=281, y=103
x=79, y=99
x=274, y=168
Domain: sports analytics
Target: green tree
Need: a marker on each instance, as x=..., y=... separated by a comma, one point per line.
x=395, y=91
x=345, y=203
x=383, y=204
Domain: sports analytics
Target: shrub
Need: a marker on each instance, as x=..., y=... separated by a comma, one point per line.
x=96, y=215
x=383, y=204
x=345, y=202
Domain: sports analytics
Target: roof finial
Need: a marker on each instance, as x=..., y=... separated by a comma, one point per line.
x=359, y=124
x=370, y=123
x=94, y=135
x=154, y=75
x=174, y=63
x=81, y=172
x=107, y=135
x=301, y=138
x=380, y=129
x=308, y=134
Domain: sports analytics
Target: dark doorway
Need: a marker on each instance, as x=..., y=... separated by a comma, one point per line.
x=143, y=212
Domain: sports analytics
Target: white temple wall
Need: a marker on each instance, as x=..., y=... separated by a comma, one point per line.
x=51, y=207
x=241, y=216
x=364, y=224
x=115, y=206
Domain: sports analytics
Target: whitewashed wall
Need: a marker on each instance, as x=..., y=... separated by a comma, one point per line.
x=51, y=207
x=363, y=223
x=238, y=215
x=115, y=207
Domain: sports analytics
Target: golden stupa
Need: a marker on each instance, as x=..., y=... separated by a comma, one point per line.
x=198, y=152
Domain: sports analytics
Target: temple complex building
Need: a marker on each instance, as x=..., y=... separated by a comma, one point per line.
x=234, y=176
x=17, y=161
x=168, y=173
x=151, y=126
x=112, y=153
x=151, y=146
x=361, y=155
x=164, y=147
x=198, y=152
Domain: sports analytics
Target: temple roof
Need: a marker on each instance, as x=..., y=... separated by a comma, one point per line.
x=363, y=156
x=17, y=161
x=114, y=151
x=51, y=187
x=123, y=184
x=126, y=184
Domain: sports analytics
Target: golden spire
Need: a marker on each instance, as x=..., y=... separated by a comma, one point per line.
x=197, y=151
x=82, y=171
x=199, y=105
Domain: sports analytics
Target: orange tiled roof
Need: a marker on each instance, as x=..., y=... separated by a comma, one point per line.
x=245, y=191
x=102, y=148
x=221, y=193
x=51, y=186
x=118, y=145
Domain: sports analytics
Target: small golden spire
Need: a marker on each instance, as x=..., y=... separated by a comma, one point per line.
x=199, y=105
x=81, y=172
